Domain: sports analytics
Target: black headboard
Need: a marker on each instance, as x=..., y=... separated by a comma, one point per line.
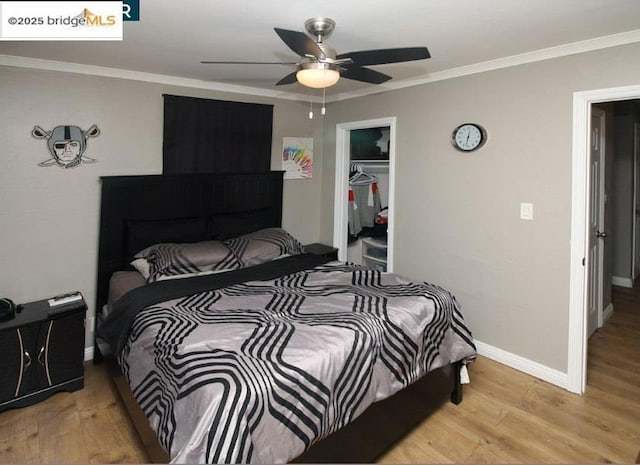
x=191, y=200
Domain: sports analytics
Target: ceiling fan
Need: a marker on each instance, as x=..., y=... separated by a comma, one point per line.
x=319, y=65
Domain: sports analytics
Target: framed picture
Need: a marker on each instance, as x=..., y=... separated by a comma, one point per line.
x=297, y=157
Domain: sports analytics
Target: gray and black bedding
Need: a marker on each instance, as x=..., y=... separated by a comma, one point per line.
x=257, y=363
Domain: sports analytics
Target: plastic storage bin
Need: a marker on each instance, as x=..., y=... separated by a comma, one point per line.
x=374, y=252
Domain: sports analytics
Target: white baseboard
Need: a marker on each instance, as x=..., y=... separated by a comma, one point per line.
x=88, y=353
x=623, y=282
x=519, y=363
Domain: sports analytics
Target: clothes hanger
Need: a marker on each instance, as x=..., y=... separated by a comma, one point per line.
x=361, y=178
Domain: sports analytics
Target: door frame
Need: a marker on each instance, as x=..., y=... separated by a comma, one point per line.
x=577, y=350
x=340, y=215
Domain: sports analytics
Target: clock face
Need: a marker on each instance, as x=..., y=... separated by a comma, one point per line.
x=468, y=137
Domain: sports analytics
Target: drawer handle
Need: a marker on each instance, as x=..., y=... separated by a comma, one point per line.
x=28, y=364
x=40, y=354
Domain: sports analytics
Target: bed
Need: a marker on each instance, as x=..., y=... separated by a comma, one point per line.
x=230, y=344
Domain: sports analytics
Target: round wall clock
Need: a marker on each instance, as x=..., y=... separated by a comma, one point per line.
x=468, y=137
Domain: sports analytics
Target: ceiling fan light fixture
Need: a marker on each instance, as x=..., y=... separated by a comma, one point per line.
x=317, y=75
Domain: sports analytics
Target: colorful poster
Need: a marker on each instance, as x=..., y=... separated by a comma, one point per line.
x=297, y=157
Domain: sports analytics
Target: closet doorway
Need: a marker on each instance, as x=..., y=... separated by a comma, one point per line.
x=345, y=167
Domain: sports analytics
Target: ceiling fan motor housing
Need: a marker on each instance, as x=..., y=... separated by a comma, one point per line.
x=329, y=52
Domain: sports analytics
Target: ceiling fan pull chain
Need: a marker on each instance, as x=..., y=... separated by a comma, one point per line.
x=310, y=109
x=323, y=110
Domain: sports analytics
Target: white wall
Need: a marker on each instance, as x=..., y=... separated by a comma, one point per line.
x=457, y=214
x=49, y=232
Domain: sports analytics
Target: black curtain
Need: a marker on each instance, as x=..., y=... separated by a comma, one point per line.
x=215, y=136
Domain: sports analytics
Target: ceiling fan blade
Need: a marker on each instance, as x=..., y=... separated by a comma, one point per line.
x=248, y=62
x=388, y=55
x=300, y=43
x=288, y=79
x=358, y=73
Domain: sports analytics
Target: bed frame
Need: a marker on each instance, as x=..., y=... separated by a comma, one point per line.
x=127, y=199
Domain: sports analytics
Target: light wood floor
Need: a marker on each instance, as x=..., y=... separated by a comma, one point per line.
x=505, y=417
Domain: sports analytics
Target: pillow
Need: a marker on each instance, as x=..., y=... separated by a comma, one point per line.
x=162, y=260
x=230, y=225
x=141, y=265
x=143, y=233
x=263, y=246
x=122, y=282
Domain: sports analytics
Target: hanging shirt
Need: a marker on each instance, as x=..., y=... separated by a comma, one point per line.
x=366, y=199
x=355, y=225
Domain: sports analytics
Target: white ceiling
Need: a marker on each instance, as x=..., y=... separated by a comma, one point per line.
x=172, y=37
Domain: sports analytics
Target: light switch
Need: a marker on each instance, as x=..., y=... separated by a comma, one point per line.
x=526, y=211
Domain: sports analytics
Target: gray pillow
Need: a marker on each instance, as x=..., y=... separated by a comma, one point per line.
x=169, y=260
x=263, y=246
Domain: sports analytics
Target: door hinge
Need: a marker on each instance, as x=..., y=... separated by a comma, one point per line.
x=584, y=262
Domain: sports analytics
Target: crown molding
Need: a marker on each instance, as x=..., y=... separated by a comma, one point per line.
x=93, y=70
x=574, y=48
x=598, y=43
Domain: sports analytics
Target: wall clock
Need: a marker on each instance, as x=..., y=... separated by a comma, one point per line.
x=468, y=137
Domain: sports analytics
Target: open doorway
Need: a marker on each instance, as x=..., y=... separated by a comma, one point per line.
x=344, y=170
x=581, y=284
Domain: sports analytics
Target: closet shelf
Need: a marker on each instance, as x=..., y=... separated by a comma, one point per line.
x=370, y=162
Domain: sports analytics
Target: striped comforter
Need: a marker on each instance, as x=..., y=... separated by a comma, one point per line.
x=258, y=371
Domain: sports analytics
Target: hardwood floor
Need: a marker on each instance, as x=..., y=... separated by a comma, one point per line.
x=509, y=417
x=86, y=426
x=506, y=416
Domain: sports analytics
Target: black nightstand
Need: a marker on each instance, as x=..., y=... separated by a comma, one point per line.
x=322, y=250
x=42, y=352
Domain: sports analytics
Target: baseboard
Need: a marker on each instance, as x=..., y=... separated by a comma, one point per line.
x=519, y=363
x=622, y=282
x=88, y=353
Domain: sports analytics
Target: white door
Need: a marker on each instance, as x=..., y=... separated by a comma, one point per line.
x=636, y=187
x=596, y=235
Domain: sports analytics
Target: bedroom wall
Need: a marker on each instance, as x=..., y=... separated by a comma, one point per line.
x=457, y=215
x=49, y=233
